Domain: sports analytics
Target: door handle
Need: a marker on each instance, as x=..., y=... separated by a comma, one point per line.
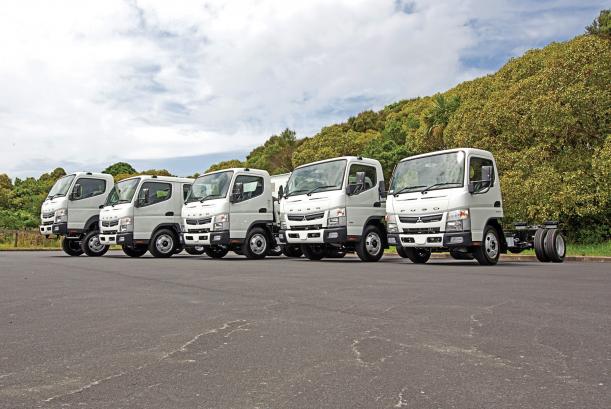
x=377, y=204
x=497, y=203
x=169, y=214
x=263, y=210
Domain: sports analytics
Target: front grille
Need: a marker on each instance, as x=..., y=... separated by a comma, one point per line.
x=305, y=217
x=109, y=232
x=198, y=230
x=307, y=227
x=198, y=221
x=48, y=215
x=47, y=223
x=109, y=223
x=424, y=219
x=424, y=230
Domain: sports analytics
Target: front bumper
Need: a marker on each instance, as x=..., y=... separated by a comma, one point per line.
x=331, y=235
x=126, y=239
x=205, y=239
x=61, y=229
x=438, y=240
x=46, y=229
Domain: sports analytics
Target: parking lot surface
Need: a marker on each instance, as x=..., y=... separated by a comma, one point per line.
x=191, y=332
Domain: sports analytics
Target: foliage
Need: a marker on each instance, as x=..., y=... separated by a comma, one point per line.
x=276, y=154
x=601, y=24
x=120, y=168
x=233, y=163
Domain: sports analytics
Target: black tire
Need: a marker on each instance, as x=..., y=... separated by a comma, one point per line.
x=402, y=251
x=313, y=251
x=238, y=250
x=195, y=251
x=461, y=255
x=371, y=246
x=91, y=245
x=490, y=250
x=275, y=251
x=334, y=252
x=163, y=243
x=539, y=244
x=216, y=251
x=138, y=251
x=292, y=250
x=256, y=244
x=418, y=255
x=71, y=247
x=555, y=246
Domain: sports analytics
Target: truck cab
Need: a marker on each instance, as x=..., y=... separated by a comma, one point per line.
x=142, y=214
x=230, y=209
x=71, y=210
x=446, y=201
x=335, y=206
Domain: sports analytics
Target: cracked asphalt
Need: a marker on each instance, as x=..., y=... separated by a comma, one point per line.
x=190, y=332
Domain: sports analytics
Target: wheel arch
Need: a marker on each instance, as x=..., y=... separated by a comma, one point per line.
x=265, y=225
x=377, y=221
x=495, y=222
x=92, y=223
x=174, y=227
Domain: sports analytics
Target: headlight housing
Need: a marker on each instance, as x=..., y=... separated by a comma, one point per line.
x=221, y=222
x=458, y=220
x=391, y=223
x=61, y=215
x=337, y=217
x=126, y=224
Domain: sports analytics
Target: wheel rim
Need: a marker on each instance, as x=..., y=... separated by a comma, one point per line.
x=560, y=249
x=258, y=243
x=491, y=245
x=94, y=244
x=199, y=248
x=373, y=243
x=164, y=243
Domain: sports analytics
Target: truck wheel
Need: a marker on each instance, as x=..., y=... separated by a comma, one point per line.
x=91, y=244
x=163, y=243
x=256, y=244
x=71, y=247
x=461, y=255
x=555, y=248
x=402, y=251
x=291, y=250
x=539, y=244
x=371, y=246
x=334, y=252
x=418, y=255
x=275, y=251
x=216, y=251
x=313, y=251
x=195, y=251
x=488, y=253
x=138, y=251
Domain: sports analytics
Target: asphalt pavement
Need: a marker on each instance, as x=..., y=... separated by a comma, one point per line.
x=191, y=332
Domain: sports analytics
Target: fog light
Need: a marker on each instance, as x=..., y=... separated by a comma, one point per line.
x=456, y=240
x=333, y=235
x=216, y=238
x=391, y=240
x=121, y=239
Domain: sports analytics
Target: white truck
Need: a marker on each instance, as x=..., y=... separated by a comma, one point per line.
x=231, y=209
x=142, y=214
x=335, y=206
x=451, y=201
x=71, y=210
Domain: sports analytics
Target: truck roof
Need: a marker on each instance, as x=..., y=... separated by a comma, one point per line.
x=255, y=171
x=96, y=174
x=467, y=151
x=163, y=178
x=348, y=158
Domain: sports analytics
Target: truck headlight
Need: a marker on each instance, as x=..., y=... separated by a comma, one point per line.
x=61, y=215
x=125, y=224
x=337, y=217
x=458, y=220
x=392, y=228
x=283, y=225
x=221, y=222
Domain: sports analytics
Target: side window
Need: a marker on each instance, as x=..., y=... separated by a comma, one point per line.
x=186, y=188
x=370, y=175
x=475, y=172
x=157, y=192
x=90, y=187
x=253, y=186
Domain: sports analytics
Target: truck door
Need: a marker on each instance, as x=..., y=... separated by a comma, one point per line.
x=485, y=200
x=85, y=199
x=360, y=204
x=153, y=207
x=250, y=206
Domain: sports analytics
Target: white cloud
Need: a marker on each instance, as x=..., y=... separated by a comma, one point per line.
x=94, y=82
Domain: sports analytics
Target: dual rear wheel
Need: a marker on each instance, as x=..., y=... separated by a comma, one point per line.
x=549, y=245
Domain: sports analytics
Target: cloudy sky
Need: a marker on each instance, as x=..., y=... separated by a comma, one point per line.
x=182, y=84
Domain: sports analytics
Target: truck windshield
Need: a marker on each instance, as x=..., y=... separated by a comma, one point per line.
x=441, y=171
x=123, y=192
x=211, y=186
x=319, y=177
x=60, y=188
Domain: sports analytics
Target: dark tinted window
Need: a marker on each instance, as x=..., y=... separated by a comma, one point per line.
x=370, y=175
x=475, y=172
x=89, y=187
x=157, y=192
x=252, y=186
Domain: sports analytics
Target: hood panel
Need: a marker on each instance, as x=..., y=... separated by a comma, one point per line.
x=51, y=205
x=204, y=209
x=110, y=213
x=316, y=202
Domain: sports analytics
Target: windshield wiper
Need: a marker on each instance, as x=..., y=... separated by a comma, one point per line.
x=406, y=188
x=439, y=184
x=295, y=192
x=206, y=197
x=318, y=187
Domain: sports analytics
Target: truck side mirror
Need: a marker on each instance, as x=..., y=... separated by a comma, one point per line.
x=357, y=186
x=382, y=189
x=77, y=192
x=238, y=190
x=143, y=197
x=280, y=192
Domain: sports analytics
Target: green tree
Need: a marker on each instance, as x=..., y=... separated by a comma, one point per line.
x=601, y=24
x=276, y=154
x=120, y=168
x=226, y=164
